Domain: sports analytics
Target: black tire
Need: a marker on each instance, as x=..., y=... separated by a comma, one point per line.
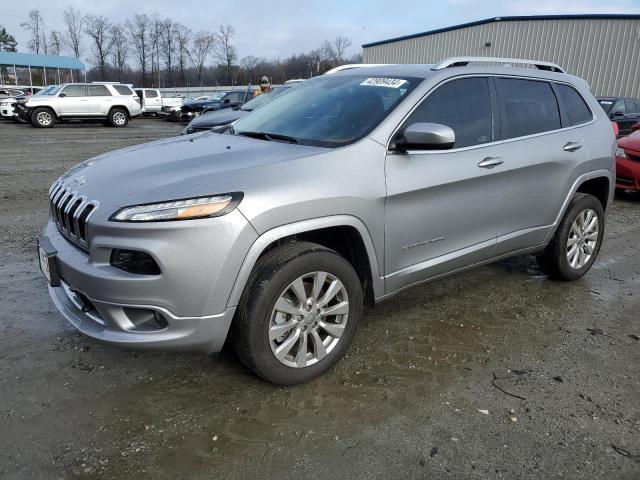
x=271, y=276
x=118, y=117
x=19, y=119
x=554, y=260
x=43, y=118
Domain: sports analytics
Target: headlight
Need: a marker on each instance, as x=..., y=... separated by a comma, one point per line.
x=620, y=153
x=187, y=209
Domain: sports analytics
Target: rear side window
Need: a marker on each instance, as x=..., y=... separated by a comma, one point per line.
x=464, y=105
x=573, y=103
x=151, y=93
x=528, y=107
x=99, y=91
x=75, y=91
x=123, y=90
x=618, y=108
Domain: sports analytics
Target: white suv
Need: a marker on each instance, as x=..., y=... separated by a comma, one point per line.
x=114, y=103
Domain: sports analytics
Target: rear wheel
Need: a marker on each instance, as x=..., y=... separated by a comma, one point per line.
x=298, y=314
x=118, y=117
x=577, y=241
x=43, y=118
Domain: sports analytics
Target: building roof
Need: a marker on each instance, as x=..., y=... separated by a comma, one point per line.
x=33, y=60
x=510, y=19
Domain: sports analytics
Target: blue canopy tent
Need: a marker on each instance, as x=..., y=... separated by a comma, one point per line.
x=30, y=70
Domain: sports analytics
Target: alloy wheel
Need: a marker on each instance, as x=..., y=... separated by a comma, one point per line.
x=119, y=118
x=308, y=319
x=583, y=238
x=44, y=118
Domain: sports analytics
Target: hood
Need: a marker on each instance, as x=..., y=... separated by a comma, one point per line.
x=181, y=167
x=213, y=119
x=631, y=142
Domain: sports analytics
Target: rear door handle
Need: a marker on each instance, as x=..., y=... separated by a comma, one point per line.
x=491, y=162
x=572, y=147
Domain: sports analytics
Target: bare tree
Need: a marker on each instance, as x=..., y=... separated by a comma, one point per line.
x=73, y=23
x=119, y=50
x=250, y=64
x=183, y=40
x=139, y=32
x=55, y=42
x=155, y=34
x=335, y=50
x=225, y=51
x=35, y=27
x=203, y=44
x=168, y=43
x=98, y=28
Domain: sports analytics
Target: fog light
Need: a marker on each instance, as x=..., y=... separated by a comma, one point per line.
x=134, y=261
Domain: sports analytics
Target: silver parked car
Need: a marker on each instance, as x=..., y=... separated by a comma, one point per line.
x=344, y=191
x=113, y=103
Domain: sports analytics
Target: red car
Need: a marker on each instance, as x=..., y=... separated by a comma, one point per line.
x=628, y=161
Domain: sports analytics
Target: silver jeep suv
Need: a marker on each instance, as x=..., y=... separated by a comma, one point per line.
x=342, y=191
x=113, y=103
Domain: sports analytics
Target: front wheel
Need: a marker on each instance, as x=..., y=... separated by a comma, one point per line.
x=298, y=314
x=43, y=118
x=577, y=241
x=118, y=117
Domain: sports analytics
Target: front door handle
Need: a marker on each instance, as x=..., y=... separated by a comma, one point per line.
x=572, y=147
x=491, y=162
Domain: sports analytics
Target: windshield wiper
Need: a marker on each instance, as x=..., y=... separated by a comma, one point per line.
x=269, y=136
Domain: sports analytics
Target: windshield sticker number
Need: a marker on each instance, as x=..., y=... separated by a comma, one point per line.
x=383, y=82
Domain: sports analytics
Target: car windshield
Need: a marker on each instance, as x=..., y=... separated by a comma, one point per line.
x=52, y=90
x=606, y=105
x=264, y=98
x=216, y=96
x=328, y=111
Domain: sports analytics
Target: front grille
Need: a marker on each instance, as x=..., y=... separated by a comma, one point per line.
x=70, y=212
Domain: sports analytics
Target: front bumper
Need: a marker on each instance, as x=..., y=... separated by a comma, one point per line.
x=628, y=174
x=185, y=307
x=120, y=324
x=6, y=111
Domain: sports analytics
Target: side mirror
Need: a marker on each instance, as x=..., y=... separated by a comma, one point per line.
x=426, y=136
x=618, y=114
x=226, y=100
x=62, y=95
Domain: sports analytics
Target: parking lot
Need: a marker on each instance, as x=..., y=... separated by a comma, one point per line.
x=495, y=373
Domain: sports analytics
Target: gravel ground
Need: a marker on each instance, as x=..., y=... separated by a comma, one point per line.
x=495, y=373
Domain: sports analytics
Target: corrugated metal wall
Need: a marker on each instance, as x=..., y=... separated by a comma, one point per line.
x=605, y=52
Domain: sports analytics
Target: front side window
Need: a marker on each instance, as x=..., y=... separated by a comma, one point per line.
x=629, y=106
x=618, y=108
x=329, y=111
x=464, y=105
x=528, y=107
x=573, y=103
x=99, y=91
x=75, y=91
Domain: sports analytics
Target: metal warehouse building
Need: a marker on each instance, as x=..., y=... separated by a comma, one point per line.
x=602, y=49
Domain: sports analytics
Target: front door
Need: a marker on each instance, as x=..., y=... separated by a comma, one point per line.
x=443, y=207
x=73, y=101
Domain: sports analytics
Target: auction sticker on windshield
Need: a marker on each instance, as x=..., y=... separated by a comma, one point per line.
x=384, y=82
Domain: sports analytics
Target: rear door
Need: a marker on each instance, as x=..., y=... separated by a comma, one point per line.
x=73, y=101
x=443, y=206
x=546, y=153
x=100, y=100
x=152, y=101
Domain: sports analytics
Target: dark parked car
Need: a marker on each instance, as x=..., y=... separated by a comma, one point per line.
x=217, y=101
x=624, y=111
x=211, y=119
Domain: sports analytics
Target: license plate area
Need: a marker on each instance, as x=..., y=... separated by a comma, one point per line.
x=47, y=259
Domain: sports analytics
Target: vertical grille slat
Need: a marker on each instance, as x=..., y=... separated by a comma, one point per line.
x=70, y=211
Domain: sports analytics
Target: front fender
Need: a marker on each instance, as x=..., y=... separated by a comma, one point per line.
x=290, y=229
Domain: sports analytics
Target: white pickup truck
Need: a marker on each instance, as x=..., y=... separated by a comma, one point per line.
x=152, y=101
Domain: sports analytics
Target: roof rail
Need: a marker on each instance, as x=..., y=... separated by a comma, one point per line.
x=464, y=61
x=352, y=65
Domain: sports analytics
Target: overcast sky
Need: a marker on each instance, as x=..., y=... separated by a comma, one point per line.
x=279, y=28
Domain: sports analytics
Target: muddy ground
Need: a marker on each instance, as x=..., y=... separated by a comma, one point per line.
x=405, y=403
